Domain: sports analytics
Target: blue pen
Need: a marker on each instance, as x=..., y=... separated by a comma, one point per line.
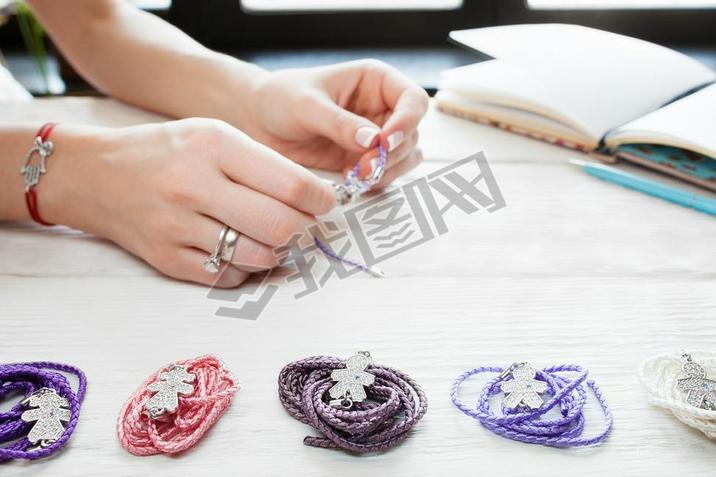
x=648, y=186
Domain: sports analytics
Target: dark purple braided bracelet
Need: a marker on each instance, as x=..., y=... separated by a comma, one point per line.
x=372, y=409
x=37, y=419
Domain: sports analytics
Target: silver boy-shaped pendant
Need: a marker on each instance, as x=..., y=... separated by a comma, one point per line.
x=48, y=413
x=700, y=391
x=172, y=383
x=351, y=381
x=523, y=390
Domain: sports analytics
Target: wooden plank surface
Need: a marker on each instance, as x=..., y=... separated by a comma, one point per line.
x=573, y=270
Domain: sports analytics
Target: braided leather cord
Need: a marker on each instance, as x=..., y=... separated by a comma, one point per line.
x=26, y=378
x=394, y=405
x=567, y=395
x=659, y=376
x=214, y=389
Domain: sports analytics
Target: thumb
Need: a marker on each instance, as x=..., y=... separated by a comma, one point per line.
x=350, y=131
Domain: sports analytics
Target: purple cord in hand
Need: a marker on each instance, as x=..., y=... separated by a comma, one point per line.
x=375, y=408
x=350, y=190
x=49, y=400
x=523, y=410
x=353, y=187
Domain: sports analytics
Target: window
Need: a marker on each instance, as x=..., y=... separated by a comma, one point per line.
x=232, y=24
x=327, y=23
x=152, y=5
x=337, y=5
x=671, y=22
x=619, y=4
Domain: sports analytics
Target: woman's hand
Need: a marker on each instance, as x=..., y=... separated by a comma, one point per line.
x=332, y=117
x=163, y=192
x=326, y=117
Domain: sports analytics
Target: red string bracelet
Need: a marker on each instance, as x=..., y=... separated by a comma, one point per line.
x=43, y=147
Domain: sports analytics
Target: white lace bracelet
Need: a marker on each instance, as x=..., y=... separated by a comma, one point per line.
x=679, y=382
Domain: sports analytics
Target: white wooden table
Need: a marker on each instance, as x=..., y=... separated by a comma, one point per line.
x=573, y=270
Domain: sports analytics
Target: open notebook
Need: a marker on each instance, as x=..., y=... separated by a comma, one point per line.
x=593, y=91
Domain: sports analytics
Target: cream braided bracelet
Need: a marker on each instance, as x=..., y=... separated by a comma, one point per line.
x=680, y=383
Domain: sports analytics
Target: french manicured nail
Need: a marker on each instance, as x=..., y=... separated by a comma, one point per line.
x=282, y=256
x=365, y=136
x=230, y=277
x=376, y=172
x=395, y=139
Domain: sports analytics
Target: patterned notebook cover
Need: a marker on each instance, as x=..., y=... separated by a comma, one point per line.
x=680, y=160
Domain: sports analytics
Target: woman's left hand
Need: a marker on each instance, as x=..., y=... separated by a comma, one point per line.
x=335, y=116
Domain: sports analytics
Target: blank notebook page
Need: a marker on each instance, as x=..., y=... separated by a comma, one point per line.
x=499, y=83
x=689, y=122
x=600, y=79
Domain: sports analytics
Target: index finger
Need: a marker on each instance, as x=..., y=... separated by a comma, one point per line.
x=408, y=102
x=265, y=170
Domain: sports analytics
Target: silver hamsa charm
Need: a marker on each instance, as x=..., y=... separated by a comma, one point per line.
x=523, y=390
x=32, y=173
x=172, y=383
x=351, y=381
x=49, y=411
x=699, y=391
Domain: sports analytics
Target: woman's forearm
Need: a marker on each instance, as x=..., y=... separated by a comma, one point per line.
x=138, y=58
x=163, y=191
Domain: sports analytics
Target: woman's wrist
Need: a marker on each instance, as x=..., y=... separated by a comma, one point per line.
x=231, y=91
x=68, y=191
x=54, y=191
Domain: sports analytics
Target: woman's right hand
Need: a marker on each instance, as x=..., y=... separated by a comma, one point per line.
x=164, y=191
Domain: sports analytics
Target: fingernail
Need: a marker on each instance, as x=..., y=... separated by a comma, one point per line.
x=281, y=258
x=376, y=172
x=395, y=139
x=230, y=277
x=365, y=136
x=281, y=254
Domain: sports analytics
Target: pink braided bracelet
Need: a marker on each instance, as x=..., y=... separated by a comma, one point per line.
x=173, y=409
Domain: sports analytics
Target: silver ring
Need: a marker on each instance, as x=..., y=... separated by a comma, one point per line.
x=231, y=238
x=213, y=262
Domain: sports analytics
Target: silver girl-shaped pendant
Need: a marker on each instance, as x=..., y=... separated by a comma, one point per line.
x=700, y=391
x=351, y=381
x=48, y=413
x=523, y=389
x=172, y=383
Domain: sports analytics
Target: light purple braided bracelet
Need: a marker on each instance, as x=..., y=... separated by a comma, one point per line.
x=37, y=419
x=523, y=409
x=372, y=409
